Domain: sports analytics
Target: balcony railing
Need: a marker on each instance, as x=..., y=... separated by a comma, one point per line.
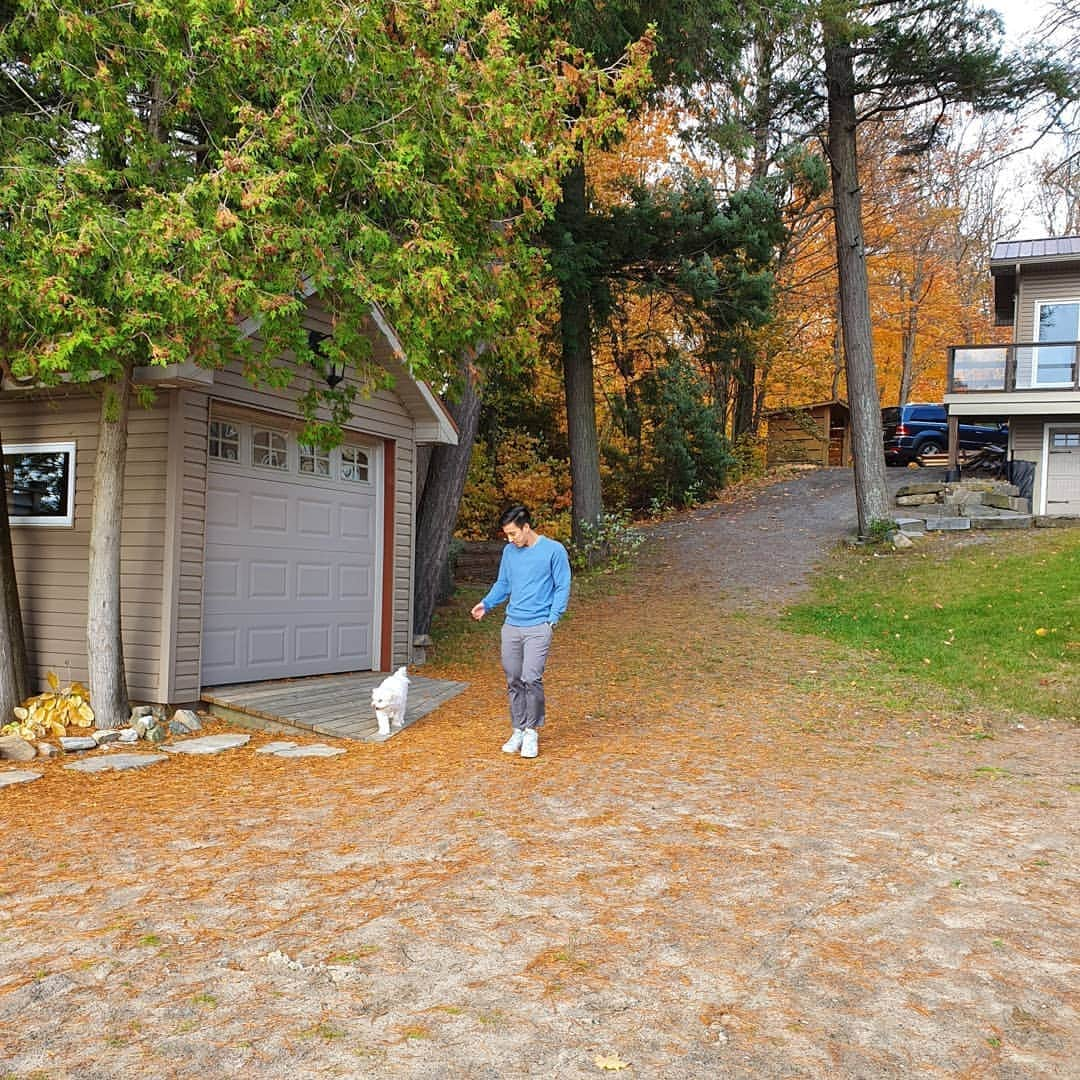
x=1019, y=367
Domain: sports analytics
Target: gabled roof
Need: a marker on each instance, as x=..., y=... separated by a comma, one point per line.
x=805, y=408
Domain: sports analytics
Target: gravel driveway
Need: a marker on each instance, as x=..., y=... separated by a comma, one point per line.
x=727, y=862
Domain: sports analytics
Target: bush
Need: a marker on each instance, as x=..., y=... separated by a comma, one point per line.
x=610, y=544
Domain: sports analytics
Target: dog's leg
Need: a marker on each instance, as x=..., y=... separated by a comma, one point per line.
x=384, y=721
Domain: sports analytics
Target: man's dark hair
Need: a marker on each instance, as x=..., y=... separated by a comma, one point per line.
x=515, y=515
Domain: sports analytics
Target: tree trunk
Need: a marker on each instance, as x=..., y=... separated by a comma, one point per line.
x=439, y=503
x=14, y=683
x=576, y=330
x=871, y=491
x=745, y=376
x=104, y=643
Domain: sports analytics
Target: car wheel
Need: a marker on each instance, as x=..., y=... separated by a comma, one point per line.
x=931, y=446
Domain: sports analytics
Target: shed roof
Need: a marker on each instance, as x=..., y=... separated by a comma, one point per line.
x=1050, y=248
x=805, y=408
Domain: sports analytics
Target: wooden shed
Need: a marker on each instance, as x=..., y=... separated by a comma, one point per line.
x=817, y=434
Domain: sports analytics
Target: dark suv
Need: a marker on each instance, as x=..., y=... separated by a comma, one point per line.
x=913, y=430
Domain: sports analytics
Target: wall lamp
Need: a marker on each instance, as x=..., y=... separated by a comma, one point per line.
x=332, y=372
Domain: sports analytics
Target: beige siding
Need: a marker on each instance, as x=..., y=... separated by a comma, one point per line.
x=1036, y=286
x=51, y=562
x=802, y=437
x=1026, y=435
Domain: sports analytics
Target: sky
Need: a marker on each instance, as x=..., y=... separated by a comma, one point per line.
x=1021, y=18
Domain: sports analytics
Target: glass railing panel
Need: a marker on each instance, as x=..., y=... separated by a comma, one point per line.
x=977, y=368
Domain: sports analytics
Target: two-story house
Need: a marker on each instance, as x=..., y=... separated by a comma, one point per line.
x=1034, y=382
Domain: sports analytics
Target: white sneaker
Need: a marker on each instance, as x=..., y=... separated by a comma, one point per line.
x=530, y=744
x=513, y=744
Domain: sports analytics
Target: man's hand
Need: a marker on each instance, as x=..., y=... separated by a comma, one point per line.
x=478, y=612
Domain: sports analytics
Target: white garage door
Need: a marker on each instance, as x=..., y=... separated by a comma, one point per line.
x=290, y=581
x=1063, y=472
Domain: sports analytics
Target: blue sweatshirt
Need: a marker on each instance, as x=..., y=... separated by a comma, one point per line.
x=537, y=581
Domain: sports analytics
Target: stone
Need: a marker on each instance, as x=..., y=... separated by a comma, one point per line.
x=17, y=776
x=901, y=541
x=16, y=748
x=911, y=526
x=209, y=744
x=106, y=735
x=178, y=727
x=140, y=712
x=129, y=735
x=948, y=524
x=915, y=500
x=1013, y=521
x=188, y=717
x=919, y=489
x=1006, y=502
x=275, y=747
x=311, y=750
x=1056, y=521
x=47, y=750
x=71, y=743
x=155, y=733
x=117, y=762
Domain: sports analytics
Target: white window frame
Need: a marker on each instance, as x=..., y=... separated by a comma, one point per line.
x=367, y=459
x=238, y=428
x=1039, y=345
x=315, y=455
x=257, y=429
x=64, y=447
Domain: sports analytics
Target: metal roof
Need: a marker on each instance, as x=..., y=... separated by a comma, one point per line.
x=1051, y=247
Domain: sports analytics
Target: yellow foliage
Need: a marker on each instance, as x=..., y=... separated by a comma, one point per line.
x=53, y=712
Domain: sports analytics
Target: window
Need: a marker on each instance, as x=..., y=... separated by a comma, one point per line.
x=268, y=449
x=40, y=482
x=354, y=464
x=314, y=461
x=1055, y=365
x=1065, y=440
x=224, y=441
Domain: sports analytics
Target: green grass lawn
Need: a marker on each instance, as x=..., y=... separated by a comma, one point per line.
x=995, y=616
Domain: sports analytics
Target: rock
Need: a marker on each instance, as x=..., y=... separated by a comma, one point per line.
x=900, y=541
x=275, y=747
x=129, y=735
x=47, y=750
x=911, y=525
x=139, y=724
x=141, y=711
x=948, y=524
x=178, y=727
x=16, y=748
x=1013, y=521
x=118, y=762
x=1006, y=502
x=188, y=717
x=919, y=489
x=209, y=744
x=155, y=733
x=77, y=742
x=915, y=500
x=106, y=735
x=311, y=750
x=17, y=776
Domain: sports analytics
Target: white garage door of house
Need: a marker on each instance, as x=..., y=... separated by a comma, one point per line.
x=1063, y=472
x=290, y=582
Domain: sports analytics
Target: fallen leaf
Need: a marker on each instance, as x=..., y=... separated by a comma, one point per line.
x=610, y=1062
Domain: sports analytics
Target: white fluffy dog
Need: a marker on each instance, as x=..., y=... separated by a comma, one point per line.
x=389, y=699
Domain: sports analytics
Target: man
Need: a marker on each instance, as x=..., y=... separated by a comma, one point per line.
x=535, y=575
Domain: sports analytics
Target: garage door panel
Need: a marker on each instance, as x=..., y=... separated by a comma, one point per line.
x=290, y=578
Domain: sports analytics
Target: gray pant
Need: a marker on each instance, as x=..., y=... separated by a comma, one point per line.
x=524, y=654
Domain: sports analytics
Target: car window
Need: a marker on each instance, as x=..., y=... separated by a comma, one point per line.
x=928, y=413
x=890, y=416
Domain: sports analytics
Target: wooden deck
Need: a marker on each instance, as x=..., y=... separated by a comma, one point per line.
x=335, y=705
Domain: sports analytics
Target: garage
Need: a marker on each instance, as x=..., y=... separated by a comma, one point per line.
x=1063, y=471
x=291, y=568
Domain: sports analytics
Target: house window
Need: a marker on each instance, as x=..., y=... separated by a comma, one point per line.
x=1065, y=440
x=313, y=461
x=224, y=441
x=268, y=449
x=1055, y=365
x=40, y=483
x=354, y=464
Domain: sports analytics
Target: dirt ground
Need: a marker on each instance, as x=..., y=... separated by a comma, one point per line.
x=727, y=862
